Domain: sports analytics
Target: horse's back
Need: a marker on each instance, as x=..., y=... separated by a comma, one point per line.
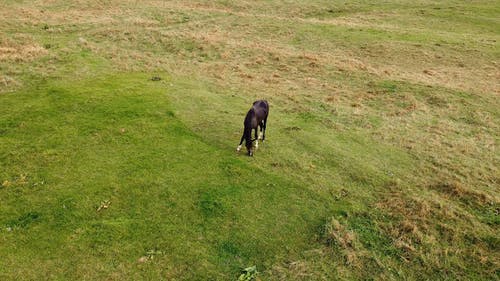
x=261, y=104
x=261, y=109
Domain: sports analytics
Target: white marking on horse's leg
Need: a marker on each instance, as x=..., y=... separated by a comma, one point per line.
x=256, y=143
x=260, y=135
x=238, y=148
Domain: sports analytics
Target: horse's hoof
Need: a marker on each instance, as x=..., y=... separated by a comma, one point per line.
x=238, y=148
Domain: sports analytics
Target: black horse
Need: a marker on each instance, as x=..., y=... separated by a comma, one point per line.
x=256, y=117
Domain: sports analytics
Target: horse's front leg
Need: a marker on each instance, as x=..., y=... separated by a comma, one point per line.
x=241, y=141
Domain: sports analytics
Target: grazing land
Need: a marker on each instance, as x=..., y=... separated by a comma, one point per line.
x=119, y=122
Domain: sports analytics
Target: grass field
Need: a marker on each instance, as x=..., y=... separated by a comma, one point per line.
x=380, y=162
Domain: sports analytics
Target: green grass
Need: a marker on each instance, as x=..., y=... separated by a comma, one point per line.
x=380, y=160
x=118, y=140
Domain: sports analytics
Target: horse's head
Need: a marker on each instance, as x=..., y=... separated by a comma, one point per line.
x=250, y=148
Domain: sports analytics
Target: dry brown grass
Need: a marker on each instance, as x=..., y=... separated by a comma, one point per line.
x=22, y=53
x=417, y=234
x=338, y=236
x=9, y=83
x=387, y=60
x=23, y=49
x=415, y=63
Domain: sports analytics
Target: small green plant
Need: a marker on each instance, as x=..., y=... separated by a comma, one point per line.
x=24, y=221
x=249, y=273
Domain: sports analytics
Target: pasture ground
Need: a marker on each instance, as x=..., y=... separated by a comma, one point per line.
x=381, y=160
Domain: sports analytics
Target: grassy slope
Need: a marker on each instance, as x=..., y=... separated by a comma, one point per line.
x=380, y=162
x=169, y=190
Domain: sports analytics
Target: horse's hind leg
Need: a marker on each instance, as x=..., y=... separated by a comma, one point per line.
x=256, y=137
x=264, y=125
x=261, y=125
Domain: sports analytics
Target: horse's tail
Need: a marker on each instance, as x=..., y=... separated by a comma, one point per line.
x=267, y=108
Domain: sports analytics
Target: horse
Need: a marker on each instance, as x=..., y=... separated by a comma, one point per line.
x=256, y=117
